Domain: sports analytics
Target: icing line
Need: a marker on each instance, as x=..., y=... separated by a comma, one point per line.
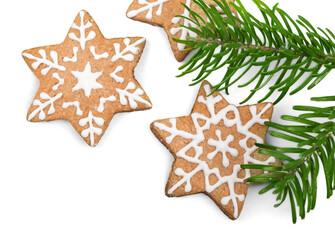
x=149, y=7
x=82, y=39
x=132, y=97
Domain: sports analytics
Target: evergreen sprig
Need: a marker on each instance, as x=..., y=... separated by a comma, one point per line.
x=283, y=49
x=312, y=133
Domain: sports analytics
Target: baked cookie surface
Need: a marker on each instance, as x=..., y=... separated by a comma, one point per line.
x=163, y=13
x=209, y=146
x=86, y=79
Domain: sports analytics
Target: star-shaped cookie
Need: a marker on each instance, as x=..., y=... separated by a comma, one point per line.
x=86, y=79
x=209, y=146
x=163, y=13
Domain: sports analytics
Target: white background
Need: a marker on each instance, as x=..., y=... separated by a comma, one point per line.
x=54, y=186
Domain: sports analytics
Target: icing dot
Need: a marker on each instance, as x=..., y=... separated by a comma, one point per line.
x=188, y=187
x=126, y=41
x=179, y=172
x=241, y=197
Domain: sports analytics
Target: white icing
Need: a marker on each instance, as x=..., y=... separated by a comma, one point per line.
x=233, y=196
x=199, y=137
x=74, y=58
x=223, y=147
x=98, y=56
x=124, y=54
x=75, y=104
x=101, y=107
x=60, y=81
x=41, y=106
x=117, y=78
x=91, y=130
x=43, y=60
x=82, y=39
x=87, y=80
x=148, y=7
x=132, y=97
x=184, y=31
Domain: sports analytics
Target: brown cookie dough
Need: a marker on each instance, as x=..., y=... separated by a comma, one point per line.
x=163, y=13
x=86, y=79
x=209, y=146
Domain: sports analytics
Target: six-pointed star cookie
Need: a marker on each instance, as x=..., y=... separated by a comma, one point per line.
x=209, y=146
x=87, y=79
x=163, y=13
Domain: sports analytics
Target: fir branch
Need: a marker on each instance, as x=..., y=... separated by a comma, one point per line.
x=314, y=137
x=283, y=49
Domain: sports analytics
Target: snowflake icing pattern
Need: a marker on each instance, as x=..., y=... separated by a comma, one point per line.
x=166, y=13
x=87, y=79
x=195, y=155
x=156, y=8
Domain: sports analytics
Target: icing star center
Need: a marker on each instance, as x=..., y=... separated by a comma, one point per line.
x=87, y=80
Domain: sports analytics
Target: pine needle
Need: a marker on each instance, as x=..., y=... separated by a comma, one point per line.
x=314, y=137
x=294, y=47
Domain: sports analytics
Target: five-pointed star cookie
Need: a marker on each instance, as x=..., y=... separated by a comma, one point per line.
x=87, y=79
x=209, y=146
x=163, y=13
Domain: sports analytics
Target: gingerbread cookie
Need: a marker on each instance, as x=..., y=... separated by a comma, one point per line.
x=163, y=13
x=209, y=146
x=87, y=79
